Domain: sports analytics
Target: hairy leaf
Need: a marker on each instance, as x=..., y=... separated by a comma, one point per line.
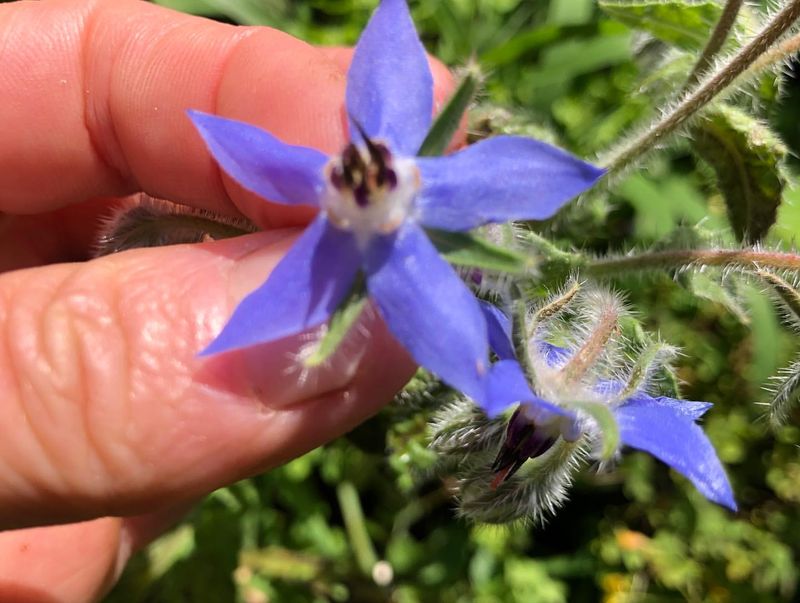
x=463, y=249
x=340, y=324
x=746, y=157
x=723, y=293
x=682, y=23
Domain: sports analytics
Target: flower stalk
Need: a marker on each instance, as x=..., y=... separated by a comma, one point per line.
x=520, y=338
x=682, y=258
x=718, y=37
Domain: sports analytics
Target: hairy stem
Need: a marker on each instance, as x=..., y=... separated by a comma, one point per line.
x=785, y=50
x=726, y=22
x=708, y=89
x=680, y=258
x=520, y=337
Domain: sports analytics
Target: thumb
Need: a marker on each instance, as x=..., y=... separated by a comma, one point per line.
x=109, y=410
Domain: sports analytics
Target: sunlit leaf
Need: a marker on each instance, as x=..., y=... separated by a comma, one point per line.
x=747, y=158
x=683, y=23
x=339, y=325
x=464, y=249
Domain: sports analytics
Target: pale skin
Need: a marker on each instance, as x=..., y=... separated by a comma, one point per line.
x=107, y=411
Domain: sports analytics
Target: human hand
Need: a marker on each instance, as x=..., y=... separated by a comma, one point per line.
x=107, y=410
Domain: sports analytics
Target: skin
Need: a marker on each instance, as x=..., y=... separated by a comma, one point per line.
x=112, y=425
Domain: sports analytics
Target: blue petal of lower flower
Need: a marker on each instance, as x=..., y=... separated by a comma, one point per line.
x=260, y=162
x=429, y=309
x=687, y=408
x=674, y=439
x=497, y=180
x=499, y=327
x=507, y=385
x=302, y=291
x=389, y=85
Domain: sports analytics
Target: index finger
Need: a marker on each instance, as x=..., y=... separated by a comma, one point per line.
x=95, y=94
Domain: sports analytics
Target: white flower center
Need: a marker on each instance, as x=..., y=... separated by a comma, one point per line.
x=368, y=190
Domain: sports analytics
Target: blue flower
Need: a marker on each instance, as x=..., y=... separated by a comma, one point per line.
x=375, y=200
x=662, y=426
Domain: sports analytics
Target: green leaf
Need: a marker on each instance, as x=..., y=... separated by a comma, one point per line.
x=570, y=12
x=463, y=249
x=339, y=325
x=747, y=158
x=682, y=23
x=662, y=204
x=725, y=293
x=606, y=423
x=447, y=122
x=244, y=12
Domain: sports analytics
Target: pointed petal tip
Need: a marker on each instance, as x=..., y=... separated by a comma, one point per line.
x=221, y=344
x=525, y=179
x=389, y=83
x=199, y=118
x=260, y=162
x=722, y=496
x=729, y=503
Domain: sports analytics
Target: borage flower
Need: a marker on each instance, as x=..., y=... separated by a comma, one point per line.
x=375, y=200
x=661, y=426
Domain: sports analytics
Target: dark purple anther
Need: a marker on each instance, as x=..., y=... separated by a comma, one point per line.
x=361, y=195
x=524, y=440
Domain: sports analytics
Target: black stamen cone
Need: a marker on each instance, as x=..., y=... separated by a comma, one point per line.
x=523, y=441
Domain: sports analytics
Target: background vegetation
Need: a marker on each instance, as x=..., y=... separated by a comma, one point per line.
x=567, y=71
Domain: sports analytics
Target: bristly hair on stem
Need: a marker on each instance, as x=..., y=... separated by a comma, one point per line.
x=636, y=148
x=718, y=37
x=149, y=222
x=676, y=259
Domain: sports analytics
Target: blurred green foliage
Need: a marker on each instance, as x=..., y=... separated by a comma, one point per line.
x=568, y=72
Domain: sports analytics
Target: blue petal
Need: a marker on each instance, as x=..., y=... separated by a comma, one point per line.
x=389, y=85
x=507, y=385
x=554, y=355
x=429, y=309
x=499, y=327
x=260, y=162
x=673, y=438
x=302, y=291
x=500, y=179
x=687, y=408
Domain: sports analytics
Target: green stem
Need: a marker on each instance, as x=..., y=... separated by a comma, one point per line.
x=356, y=527
x=680, y=258
x=520, y=337
x=726, y=22
x=693, y=102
